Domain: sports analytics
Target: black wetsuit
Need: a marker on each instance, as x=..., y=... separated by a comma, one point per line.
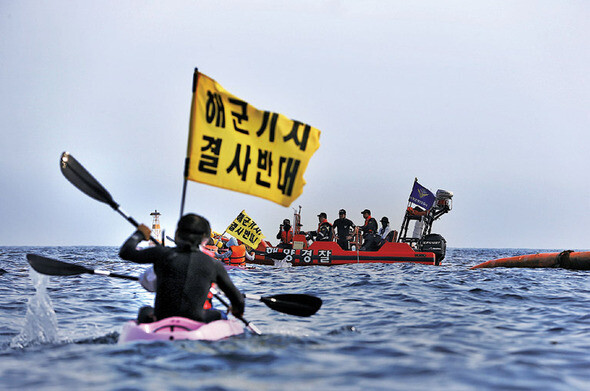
x=343, y=226
x=183, y=280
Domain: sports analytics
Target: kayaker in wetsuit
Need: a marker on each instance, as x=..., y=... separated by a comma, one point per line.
x=369, y=229
x=236, y=253
x=184, y=273
x=285, y=235
x=343, y=227
x=325, y=232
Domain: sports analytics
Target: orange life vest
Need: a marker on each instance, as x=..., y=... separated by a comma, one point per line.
x=322, y=223
x=330, y=229
x=415, y=212
x=287, y=236
x=211, y=250
x=365, y=227
x=208, y=303
x=212, y=247
x=238, y=255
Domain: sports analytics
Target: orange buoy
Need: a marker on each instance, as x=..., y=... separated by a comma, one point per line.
x=575, y=260
x=565, y=259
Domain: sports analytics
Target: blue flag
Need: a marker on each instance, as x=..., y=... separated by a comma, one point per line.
x=422, y=196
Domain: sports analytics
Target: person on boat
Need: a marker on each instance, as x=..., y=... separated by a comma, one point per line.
x=343, y=228
x=210, y=248
x=285, y=235
x=385, y=233
x=184, y=273
x=369, y=230
x=384, y=230
x=236, y=253
x=325, y=232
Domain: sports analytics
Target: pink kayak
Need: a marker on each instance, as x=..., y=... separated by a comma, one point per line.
x=178, y=328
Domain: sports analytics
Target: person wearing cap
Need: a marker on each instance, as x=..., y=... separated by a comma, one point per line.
x=285, y=235
x=384, y=230
x=236, y=253
x=343, y=228
x=325, y=232
x=184, y=273
x=369, y=230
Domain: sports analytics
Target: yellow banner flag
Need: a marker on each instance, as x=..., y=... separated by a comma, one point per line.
x=245, y=229
x=237, y=147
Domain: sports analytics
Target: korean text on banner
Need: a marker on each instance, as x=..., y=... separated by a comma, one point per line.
x=246, y=230
x=235, y=146
x=422, y=196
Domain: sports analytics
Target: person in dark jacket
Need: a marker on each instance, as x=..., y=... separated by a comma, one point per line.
x=184, y=273
x=325, y=232
x=343, y=228
x=285, y=235
x=369, y=229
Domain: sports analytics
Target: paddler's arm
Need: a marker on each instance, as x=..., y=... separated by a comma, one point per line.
x=129, y=252
x=233, y=294
x=250, y=255
x=225, y=255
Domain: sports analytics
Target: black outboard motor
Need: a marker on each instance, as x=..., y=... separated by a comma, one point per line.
x=434, y=243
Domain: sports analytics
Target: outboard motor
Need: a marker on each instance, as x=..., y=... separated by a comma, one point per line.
x=444, y=200
x=434, y=243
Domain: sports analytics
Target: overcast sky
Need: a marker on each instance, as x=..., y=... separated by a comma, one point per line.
x=487, y=99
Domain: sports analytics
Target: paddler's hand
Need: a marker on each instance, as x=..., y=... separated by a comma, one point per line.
x=235, y=313
x=145, y=231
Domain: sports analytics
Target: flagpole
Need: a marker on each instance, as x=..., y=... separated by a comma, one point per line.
x=410, y=196
x=243, y=210
x=220, y=236
x=186, y=165
x=188, y=160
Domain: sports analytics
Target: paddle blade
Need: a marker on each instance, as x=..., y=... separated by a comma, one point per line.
x=293, y=304
x=53, y=267
x=277, y=256
x=84, y=181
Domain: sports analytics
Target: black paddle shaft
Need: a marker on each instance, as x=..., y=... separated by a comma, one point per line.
x=292, y=304
x=87, y=184
x=53, y=267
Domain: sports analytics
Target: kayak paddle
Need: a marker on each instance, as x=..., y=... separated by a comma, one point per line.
x=277, y=256
x=226, y=304
x=292, y=304
x=87, y=184
x=53, y=267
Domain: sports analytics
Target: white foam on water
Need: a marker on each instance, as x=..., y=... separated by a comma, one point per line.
x=40, y=323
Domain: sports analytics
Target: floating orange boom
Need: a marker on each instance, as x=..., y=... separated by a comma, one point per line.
x=565, y=259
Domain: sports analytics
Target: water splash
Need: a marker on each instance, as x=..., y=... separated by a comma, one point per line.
x=40, y=325
x=282, y=263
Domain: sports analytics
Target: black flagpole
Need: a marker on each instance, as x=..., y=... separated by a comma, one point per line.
x=188, y=159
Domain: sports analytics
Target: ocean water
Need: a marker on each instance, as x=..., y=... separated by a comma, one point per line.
x=381, y=327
